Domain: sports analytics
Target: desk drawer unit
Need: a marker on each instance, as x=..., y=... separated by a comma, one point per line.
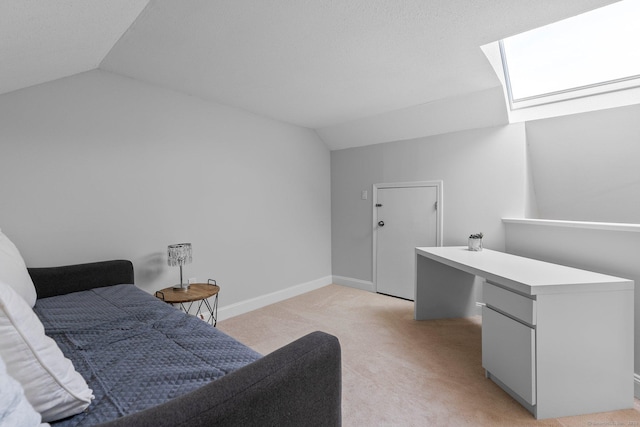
x=509, y=341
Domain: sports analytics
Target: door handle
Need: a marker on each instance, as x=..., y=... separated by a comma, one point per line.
x=381, y=223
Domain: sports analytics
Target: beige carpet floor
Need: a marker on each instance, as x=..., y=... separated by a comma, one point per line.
x=397, y=371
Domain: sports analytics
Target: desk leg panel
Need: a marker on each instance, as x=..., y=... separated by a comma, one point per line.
x=443, y=292
x=584, y=352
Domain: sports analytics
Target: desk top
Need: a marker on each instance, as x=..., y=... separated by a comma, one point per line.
x=524, y=275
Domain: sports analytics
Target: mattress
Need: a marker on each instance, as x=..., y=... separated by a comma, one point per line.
x=134, y=350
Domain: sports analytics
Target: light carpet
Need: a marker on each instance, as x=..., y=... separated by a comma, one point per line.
x=397, y=371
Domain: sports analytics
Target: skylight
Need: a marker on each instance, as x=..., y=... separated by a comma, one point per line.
x=592, y=53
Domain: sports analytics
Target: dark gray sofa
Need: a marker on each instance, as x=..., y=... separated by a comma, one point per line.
x=296, y=385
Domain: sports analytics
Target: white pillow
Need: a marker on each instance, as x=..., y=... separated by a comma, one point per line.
x=15, y=409
x=13, y=270
x=50, y=382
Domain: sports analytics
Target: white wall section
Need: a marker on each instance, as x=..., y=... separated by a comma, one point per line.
x=98, y=166
x=585, y=166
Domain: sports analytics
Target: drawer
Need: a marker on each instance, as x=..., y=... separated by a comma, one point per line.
x=510, y=303
x=509, y=353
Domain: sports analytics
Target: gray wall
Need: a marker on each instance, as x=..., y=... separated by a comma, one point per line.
x=485, y=178
x=98, y=166
x=585, y=166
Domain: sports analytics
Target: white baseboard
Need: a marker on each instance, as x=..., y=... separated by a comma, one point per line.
x=636, y=385
x=246, y=306
x=354, y=283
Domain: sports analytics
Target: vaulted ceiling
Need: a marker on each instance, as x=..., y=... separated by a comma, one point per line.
x=313, y=63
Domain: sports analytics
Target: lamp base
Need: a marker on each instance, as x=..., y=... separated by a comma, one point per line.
x=181, y=287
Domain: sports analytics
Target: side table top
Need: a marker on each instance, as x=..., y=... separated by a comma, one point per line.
x=196, y=292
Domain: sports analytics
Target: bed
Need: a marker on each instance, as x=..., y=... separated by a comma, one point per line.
x=148, y=363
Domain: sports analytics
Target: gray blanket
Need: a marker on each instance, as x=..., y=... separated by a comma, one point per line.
x=134, y=350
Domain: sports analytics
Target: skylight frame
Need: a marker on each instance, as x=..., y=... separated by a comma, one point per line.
x=566, y=94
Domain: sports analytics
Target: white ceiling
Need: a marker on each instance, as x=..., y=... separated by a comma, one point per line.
x=314, y=63
x=43, y=40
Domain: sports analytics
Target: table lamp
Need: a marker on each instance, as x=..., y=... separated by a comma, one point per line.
x=179, y=254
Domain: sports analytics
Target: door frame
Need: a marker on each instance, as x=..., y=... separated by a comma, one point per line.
x=438, y=184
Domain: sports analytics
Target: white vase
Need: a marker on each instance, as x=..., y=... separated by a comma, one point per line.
x=475, y=244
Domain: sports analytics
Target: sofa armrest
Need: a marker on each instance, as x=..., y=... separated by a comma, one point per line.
x=52, y=281
x=296, y=385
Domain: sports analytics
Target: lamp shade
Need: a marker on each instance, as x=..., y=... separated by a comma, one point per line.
x=179, y=254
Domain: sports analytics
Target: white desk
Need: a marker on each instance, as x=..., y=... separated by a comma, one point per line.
x=557, y=339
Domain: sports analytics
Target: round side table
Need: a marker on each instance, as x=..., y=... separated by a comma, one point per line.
x=198, y=293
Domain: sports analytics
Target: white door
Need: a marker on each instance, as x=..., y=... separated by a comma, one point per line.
x=405, y=218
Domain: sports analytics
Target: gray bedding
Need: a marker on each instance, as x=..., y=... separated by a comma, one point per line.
x=134, y=350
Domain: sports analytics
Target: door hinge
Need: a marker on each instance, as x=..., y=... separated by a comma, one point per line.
x=436, y=205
